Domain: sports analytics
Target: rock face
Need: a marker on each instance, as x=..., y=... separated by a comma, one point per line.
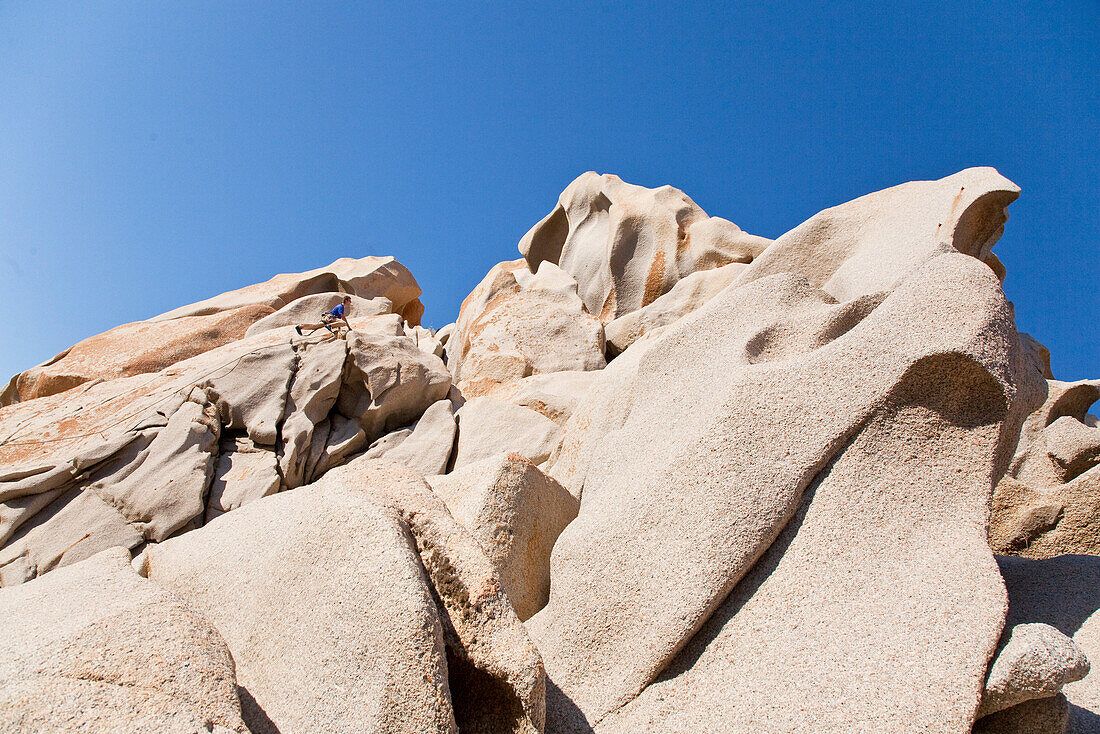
x=727, y=484
x=870, y=390
x=95, y=647
x=826, y=458
x=133, y=349
x=554, y=396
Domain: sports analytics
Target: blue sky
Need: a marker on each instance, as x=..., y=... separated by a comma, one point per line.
x=154, y=154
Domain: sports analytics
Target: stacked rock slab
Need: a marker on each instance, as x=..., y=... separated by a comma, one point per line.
x=137, y=454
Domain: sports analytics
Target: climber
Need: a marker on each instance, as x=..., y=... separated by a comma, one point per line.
x=328, y=319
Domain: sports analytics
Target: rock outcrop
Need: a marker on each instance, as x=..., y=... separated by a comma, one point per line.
x=881, y=408
x=141, y=457
x=367, y=277
x=628, y=245
x=133, y=349
x=660, y=475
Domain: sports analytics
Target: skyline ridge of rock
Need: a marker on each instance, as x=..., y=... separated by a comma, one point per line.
x=659, y=474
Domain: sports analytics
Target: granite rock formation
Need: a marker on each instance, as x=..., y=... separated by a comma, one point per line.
x=660, y=475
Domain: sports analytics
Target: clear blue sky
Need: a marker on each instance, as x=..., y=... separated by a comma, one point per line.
x=154, y=154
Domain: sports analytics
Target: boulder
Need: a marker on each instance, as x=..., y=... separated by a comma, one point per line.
x=689, y=293
x=389, y=383
x=487, y=427
x=516, y=513
x=1066, y=449
x=387, y=443
x=1049, y=503
x=1033, y=661
x=308, y=310
x=497, y=680
x=1063, y=592
x=515, y=324
x=367, y=277
x=138, y=348
x=628, y=245
x=357, y=604
x=343, y=438
x=426, y=446
x=95, y=647
x=886, y=436
x=1037, y=716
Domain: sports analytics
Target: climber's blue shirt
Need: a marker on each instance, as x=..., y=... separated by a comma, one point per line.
x=338, y=312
